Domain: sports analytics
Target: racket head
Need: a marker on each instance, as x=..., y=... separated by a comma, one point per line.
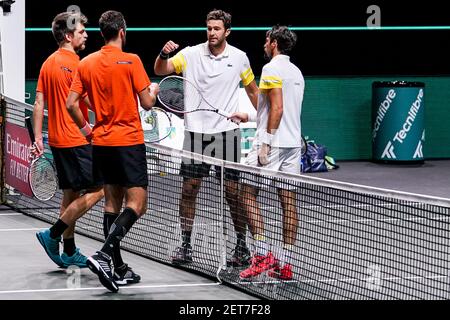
x=42, y=178
x=179, y=95
x=303, y=146
x=157, y=124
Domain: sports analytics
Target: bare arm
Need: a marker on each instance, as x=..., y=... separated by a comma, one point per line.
x=275, y=113
x=165, y=66
x=38, y=117
x=147, y=97
x=88, y=102
x=252, y=93
x=72, y=105
x=276, y=109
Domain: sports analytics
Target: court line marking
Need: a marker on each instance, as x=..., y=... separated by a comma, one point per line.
x=104, y=289
x=369, y=280
x=22, y=229
x=10, y=214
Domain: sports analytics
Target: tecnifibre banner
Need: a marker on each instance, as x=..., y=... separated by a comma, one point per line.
x=398, y=117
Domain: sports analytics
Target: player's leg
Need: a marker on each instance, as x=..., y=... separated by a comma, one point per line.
x=192, y=172
x=262, y=260
x=74, y=170
x=124, y=171
x=228, y=147
x=113, y=206
x=190, y=189
x=135, y=207
x=290, y=159
x=290, y=226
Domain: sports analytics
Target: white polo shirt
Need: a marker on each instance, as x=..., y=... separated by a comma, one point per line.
x=281, y=73
x=218, y=79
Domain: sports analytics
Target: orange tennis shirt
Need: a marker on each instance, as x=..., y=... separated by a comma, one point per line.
x=112, y=79
x=55, y=79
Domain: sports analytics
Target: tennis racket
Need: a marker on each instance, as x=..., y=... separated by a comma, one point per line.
x=303, y=146
x=42, y=175
x=157, y=124
x=180, y=95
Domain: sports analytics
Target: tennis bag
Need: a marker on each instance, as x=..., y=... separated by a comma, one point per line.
x=316, y=159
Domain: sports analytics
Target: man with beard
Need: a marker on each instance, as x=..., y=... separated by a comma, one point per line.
x=114, y=80
x=71, y=150
x=277, y=147
x=216, y=68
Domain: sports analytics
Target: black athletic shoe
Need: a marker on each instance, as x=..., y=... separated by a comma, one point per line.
x=183, y=254
x=241, y=257
x=125, y=275
x=100, y=264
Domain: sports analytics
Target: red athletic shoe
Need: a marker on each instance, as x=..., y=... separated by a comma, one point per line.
x=285, y=273
x=259, y=265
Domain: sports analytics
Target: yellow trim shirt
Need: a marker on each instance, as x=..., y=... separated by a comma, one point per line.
x=281, y=73
x=218, y=78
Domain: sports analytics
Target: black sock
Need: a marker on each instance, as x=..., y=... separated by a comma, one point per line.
x=186, y=237
x=69, y=246
x=119, y=229
x=121, y=269
x=241, y=240
x=108, y=220
x=58, y=229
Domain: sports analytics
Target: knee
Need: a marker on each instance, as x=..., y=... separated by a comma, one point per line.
x=190, y=190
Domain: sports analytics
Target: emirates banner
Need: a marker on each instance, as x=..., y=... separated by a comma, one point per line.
x=17, y=145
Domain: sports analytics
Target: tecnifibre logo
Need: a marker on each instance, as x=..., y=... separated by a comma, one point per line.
x=409, y=122
x=382, y=110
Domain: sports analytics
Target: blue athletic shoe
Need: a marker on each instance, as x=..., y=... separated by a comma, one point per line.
x=77, y=259
x=51, y=246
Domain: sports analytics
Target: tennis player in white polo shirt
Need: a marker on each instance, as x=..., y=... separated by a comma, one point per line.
x=217, y=69
x=277, y=147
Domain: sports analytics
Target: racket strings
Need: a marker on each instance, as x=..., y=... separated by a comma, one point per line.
x=43, y=180
x=157, y=124
x=179, y=95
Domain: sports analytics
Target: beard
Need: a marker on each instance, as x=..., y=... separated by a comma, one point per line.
x=267, y=56
x=80, y=47
x=217, y=44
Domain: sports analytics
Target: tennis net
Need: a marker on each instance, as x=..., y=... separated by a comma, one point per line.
x=352, y=242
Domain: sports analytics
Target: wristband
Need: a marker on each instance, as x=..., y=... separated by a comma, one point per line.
x=163, y=56
x=266, y=138
x=252, y=117
x=86, y=130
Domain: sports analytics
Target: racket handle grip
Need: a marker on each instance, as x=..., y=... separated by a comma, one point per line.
x=224, y=113
x=30, y=129
x=227, y=115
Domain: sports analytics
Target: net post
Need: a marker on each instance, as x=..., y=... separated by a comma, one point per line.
x=223, y=245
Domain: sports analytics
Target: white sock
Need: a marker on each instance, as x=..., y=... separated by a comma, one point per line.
x=287, y=255
x=261, y=245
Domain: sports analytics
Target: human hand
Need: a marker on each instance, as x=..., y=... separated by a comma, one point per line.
x=154, y=88
x=37, y=149
x=238, y=117
x=169, y=47
x=263, y=154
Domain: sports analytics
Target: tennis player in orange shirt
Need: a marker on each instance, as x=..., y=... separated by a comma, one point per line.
x=72, y=152
x=114, y=81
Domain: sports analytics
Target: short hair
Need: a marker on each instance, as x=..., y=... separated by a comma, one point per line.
x=286, y=39
x=220, y=15
x=110, y=23
x=66, y=22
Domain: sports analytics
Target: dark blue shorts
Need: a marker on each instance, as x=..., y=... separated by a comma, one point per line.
x=74, y=168
x=223, y=145
x=125, y=166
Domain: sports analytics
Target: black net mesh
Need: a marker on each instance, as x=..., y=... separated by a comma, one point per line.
x=320, y=239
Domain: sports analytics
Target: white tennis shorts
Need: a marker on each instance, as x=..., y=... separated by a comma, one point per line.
x=280, y=159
